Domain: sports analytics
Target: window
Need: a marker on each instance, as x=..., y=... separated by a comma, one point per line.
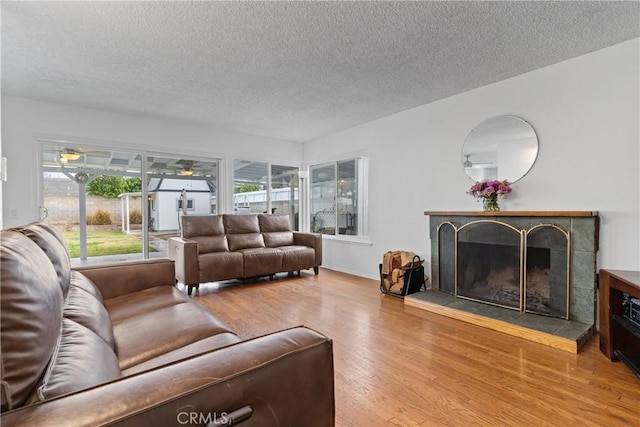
x=249, y=187
x=190, y=204
x=284, y=193
x=338, y=197
x=265, y=188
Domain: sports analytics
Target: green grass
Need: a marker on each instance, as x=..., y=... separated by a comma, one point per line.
x=104, y=243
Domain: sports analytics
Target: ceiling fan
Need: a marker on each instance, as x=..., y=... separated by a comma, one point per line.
x=67, y=154
x=187, y=167
x=469, y=164
x=191, y=167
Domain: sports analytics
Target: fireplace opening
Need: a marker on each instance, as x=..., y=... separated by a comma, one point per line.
x=490, y=273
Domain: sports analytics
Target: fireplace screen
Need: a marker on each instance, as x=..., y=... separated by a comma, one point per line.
x=488, y=266
x=546, y=274
x=447, y=261
x=495, y=263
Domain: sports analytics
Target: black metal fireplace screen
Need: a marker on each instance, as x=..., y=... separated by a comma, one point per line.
x=496, y=263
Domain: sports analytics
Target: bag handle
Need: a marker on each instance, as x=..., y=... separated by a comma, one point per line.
x=411, y=271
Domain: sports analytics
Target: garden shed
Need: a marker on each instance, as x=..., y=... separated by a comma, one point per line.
x=165, y=201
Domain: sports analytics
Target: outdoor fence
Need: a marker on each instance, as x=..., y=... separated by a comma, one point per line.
x=65, y=210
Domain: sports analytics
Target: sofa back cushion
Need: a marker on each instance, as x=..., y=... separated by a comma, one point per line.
x=276, y=230
x=277, y=239
x=243, y=232
x=207, y=230
x=82, y=360
x=202, y=225
x=30, y=316
x=207, y=244
x=245, y=241
x=241, y=224
x=272, y=223
x=84, y=306
x=79, y=280
x=54, y=246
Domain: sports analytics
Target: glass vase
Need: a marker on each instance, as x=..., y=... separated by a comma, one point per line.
x=490, y=204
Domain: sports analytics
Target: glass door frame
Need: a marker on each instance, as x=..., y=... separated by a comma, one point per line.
x=144, y=154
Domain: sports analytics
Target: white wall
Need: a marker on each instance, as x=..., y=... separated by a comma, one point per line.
x=586, y=113
x=24, y=121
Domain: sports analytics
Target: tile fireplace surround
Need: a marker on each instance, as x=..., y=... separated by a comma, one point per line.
x=530, y=274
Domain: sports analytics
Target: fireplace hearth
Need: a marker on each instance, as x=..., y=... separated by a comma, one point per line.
x=528, y=266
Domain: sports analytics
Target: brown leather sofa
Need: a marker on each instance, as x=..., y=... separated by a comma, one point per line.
x=119, y=344
x=223, y=247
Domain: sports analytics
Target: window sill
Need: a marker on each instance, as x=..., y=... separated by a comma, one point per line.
x=357, y=240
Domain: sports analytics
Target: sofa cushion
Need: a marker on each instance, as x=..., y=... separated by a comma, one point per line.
x=125, y=306
x=151, y=334
x=207, y=244
x=220, y=266
x=202, y=225
x=261, y=262
x=82, y=360
x=244, y=241
x=81, y=281
x=220, y=340
x=54, y=246
x=297, y=257
x=30, y=313
x=270, y=223
x=278, y=238
x=53, y=231
x=241, y=224
x=84, y=308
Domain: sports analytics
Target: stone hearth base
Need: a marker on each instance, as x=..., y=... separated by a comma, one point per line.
x=562, y=334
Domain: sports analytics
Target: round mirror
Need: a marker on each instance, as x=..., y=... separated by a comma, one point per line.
x=502, y=147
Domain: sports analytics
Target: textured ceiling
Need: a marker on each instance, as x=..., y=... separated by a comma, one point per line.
x=289, y=70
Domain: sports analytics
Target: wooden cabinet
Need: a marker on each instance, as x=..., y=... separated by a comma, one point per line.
x=619, y=336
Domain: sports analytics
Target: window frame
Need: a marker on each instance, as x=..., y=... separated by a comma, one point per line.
x=191, y=204
x=362, y=179
x=44, y=141
x=268, y=185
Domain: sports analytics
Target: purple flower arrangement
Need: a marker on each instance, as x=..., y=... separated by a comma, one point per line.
x=490, y=189
x=489, y=192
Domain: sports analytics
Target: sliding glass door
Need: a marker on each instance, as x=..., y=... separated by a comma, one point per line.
x=84, y=192
x=115, y=204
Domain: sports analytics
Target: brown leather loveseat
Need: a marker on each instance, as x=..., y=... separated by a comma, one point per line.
x=223, y=247
x=119, y=344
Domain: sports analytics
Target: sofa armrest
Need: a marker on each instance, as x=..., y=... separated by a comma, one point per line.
x=312, y=240
x=121, y=278
x=185, y=254
x=285, y=377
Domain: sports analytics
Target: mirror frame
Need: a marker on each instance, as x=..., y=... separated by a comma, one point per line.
x=487, y=129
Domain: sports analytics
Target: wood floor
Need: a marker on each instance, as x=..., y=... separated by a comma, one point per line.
x=402, y=366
